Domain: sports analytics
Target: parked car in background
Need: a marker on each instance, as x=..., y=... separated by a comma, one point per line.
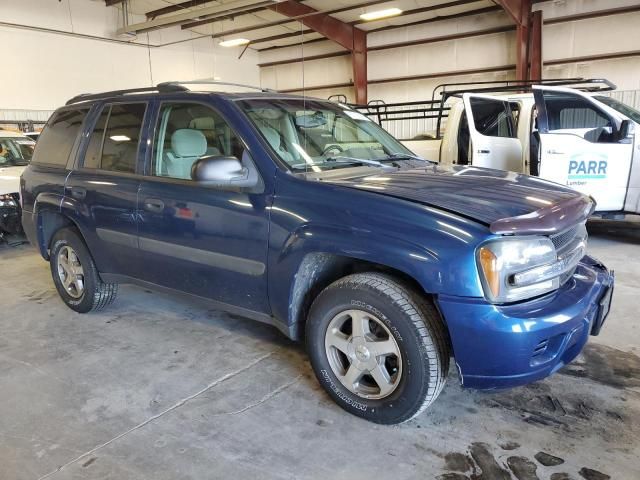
x=16, y=151
x=306, y=215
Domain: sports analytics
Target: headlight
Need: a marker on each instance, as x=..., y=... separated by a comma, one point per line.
x=513, y=269
x=7, y=201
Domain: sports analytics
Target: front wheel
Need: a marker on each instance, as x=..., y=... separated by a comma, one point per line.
x=379, y=349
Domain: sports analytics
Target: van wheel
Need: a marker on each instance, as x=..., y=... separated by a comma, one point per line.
x=75, y=275
x=379, y=349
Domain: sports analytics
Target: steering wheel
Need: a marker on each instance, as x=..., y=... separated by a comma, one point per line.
x=338, y=148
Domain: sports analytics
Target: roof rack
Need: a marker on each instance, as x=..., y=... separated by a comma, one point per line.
x=584, y=84
x=212, y=82
x=161, y=88
x=164, y=87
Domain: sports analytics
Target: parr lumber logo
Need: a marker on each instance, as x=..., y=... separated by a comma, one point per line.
x=587, y=166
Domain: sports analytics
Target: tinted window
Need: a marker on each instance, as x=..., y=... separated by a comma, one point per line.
x=187, y=132
x=492, y=118
x=59, y=135
x=94, y=149
x=120, y=144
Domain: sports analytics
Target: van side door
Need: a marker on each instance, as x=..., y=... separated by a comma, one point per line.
x=493, y=136
x=202, y=239
x=580, y=145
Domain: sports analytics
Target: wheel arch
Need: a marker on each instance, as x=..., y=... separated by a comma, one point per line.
x=318, y=270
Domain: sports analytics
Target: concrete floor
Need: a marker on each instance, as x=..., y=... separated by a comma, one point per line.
x=154, y=388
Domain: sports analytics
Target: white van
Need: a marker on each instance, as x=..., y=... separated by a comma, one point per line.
x=585, y=140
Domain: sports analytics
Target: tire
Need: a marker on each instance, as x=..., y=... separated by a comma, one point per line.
x=390, y=388
x=70, y=259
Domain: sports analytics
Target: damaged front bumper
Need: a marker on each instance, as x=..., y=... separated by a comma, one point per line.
x=502, y=346
x=10, y=214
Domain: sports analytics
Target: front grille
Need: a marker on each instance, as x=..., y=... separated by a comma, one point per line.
x=566, y=242
x=561, y=240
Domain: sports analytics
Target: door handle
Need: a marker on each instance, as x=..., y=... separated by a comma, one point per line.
x=555, y=152
x=78, y=192
x=154, y=205
x=484, y=151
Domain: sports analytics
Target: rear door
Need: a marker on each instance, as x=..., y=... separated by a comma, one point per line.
x=580, y=148
x=102, y=190
x=493, y=135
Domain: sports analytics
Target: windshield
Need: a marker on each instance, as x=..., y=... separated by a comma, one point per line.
x=15, y=151
x=626, y=110
x=315, y=135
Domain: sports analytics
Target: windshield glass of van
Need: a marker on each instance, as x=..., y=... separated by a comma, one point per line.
x=626, y=110
x=315, y=135
x=15, y=151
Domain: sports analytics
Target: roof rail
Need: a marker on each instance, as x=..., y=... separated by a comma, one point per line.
x=161, y=88
x=213, y=82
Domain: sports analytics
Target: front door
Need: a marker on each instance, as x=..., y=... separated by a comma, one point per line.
x=580, y=148
x=196, y=238
x=493, y=135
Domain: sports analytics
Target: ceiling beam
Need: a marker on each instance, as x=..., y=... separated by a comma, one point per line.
x=234, y=7
x=111, y=3
x=177, y=7
x=410, y=24
x=345, y=35
x=282, y=22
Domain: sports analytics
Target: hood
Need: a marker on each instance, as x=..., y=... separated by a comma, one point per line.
x=481, y=194
x=10, y=179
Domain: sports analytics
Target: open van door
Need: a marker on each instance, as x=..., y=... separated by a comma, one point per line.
x=584, y=144
x=493, y=133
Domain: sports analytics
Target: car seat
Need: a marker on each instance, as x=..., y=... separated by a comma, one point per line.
x=187, y=146
x=217, y=140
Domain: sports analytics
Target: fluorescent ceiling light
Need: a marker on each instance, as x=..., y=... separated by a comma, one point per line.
x=378, y=14
x=120, y=138
x=234, y=42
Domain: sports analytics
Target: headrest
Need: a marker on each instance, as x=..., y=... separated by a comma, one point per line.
x=272, y=135
x=187, y=142
x=203, y=123
x=268, y=113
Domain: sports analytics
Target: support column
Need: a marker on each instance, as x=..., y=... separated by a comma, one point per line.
x=535, y=49
x=359, y=62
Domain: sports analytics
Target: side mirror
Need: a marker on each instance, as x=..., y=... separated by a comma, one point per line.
x=222, y=171
x=624, y=130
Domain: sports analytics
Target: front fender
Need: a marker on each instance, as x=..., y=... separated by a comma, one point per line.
x=328, y=224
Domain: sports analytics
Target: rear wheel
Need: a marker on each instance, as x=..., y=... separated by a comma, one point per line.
x=379, y=349
x=75, y=275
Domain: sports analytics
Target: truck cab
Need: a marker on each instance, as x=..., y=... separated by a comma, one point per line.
x=583, y=140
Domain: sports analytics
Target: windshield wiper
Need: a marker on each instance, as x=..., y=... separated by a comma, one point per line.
x=405, y=156
x=340, y=159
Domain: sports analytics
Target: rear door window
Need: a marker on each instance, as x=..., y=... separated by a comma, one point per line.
x=59, y=136
x=121, y=137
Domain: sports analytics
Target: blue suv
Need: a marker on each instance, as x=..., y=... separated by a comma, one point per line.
x=306, y=215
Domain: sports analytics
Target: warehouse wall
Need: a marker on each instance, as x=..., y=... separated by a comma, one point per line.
x=562, y=43
x=62, y=66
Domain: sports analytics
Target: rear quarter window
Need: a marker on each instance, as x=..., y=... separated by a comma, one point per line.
x=58, y=137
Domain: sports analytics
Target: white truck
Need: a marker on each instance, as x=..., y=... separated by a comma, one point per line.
x=582, y=139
